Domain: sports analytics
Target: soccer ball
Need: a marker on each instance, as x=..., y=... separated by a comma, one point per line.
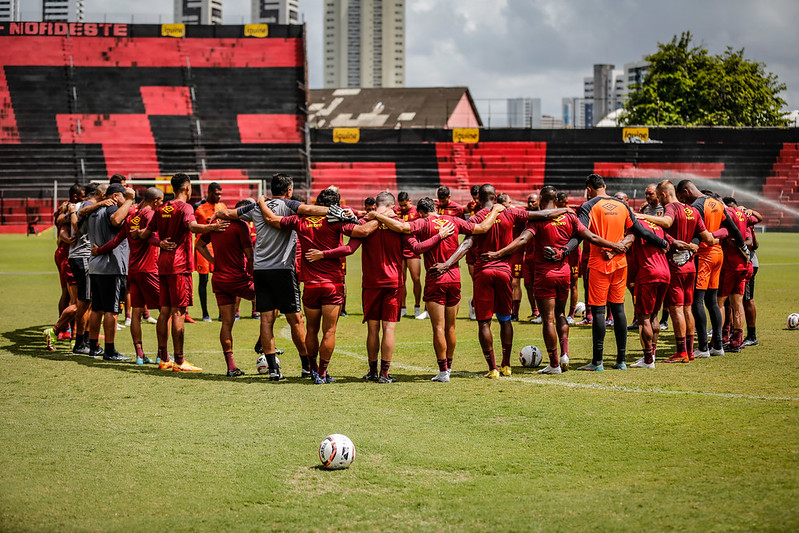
x=793, y=321
x=579, y=309
x=531, y=356
x=262, y=366
x=336, y=452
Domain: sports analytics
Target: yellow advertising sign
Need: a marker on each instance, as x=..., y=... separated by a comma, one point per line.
x=173, y=30
x=346, y=135
x=256, y=30
x=627, y=134
x=167, y=186
x=465, y=135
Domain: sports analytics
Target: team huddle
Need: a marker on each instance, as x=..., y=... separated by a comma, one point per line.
x=685, y=251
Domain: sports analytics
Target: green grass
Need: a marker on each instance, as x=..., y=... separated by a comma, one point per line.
x=87, y=445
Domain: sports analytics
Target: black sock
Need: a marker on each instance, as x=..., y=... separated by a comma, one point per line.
x=598, y=333
x=203, y=292
x=712, y=304
x=700, y=317
x=304, y=361
x=271, y=361
x=94, y=344
x=109, y=348
x=85, y=337
x=619, y=330
x=751, y=333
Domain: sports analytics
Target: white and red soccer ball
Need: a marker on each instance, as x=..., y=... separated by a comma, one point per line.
x=793, y=321
x=531, y=356
x=336, y=452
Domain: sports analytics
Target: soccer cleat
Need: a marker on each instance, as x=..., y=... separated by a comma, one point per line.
x=733, y=349
x=255, y=315
x=305, y=373
x=714, y=352
x=96, y=354
x=189, y=319
x=64, y=336
x=423, y=315
x=441, y=377
x=278, y=351
x=620, y=366
x=633, y=326
x=750, y=342
x=609, y=322
x=699, y=354
x=584, y=322
x=81, y=348
x=234, y=373
x=371, y=376
x=207, y=318
x=641, y=363
x=677, y=358
x=127, y=321
x=403, y=312
x=564, y=362
x=537, y=320
x=691, y=356
x=165, y=365
x=120, y=326
x=116, y=357
x=49, y=339
x=185, y=367
x=275, y=374
x=144, y=360
x=493, y=374
x=236, y=317
x=506, y=371
x=570, y=320
x=472, y=314
x=664, y=326
x=386, y=379
x=591, y=367
x=549, y=369
x=321, y=380
x=344, y=313
x=150, y=320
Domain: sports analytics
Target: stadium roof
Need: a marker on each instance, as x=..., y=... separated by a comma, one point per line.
x=401, y=107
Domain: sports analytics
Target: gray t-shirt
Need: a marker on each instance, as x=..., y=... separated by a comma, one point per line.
x=654, y=211
x=101, y=231
x=81, y=248
x=275, y=249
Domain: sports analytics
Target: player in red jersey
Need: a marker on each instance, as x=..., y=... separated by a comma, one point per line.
x=516, y=261
x=682, y=222
x=552, y=272
x=230, y=253
x=492, y=286
x=407, y=213
x=528, y=268
x=562, y=200
x=174, y=221
x=442, y=292
x=472, y=207
x=445, y=206
x=143, y=285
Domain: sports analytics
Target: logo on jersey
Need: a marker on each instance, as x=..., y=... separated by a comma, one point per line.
x=689, y=213
x=166, y=212
x=610, y=207
x=135, y=221
x=559, y=221
x=314, y=222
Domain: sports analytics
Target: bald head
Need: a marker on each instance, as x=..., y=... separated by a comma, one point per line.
x=665, y=191
x=487, y=194
x=532, y=201
x=651, y=194
x=621, y=196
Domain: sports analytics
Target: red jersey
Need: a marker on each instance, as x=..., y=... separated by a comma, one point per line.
x=172, y=221
x=733, y=259
x=472, y=208
x=381, y=258
x=556, y=233
x=407, y=215
x=452, y=209
x=143, y=256
x=316, y=232
x=687, y=224
x=650, y=262
x=230, y=262
x=499, y=236
x=426, y=228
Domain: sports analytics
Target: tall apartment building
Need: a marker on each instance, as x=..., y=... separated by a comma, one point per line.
x=275, y=11
x=634, y=74
x=9, y=10
x=524, y=112
x=62, y=10
x=198, y=12
x=364, y=43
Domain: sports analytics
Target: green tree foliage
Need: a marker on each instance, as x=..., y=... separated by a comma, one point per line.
x=686, y=86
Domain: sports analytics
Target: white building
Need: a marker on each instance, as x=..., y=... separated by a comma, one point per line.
x=364, y=43
x=634, y=74
x=524, y=112
x=275, y=11
x=9, y=10
x=198, y=12
x=62, y=10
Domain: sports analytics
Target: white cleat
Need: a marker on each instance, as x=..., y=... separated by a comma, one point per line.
x=127, y=321
x=564, y=362
x=441, y=377
x=416, y=311
x=641, y=363
x=701, y=355
x=550, y=370
x=423, y=315
x=120, y=326
x=714, y=352
x=472, y=314
x=150, y=320
x=403, y=312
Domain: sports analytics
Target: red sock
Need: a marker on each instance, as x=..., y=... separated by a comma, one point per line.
x=442, y=365
x=689, y=343
x=162, y=353
x=725, y=335
x=654, y=347
x=489, y=355
x=323, y=367
x=649, y=356
x=231, y=364
x=506, y=349
x=384, y=365
x=139, y=350
x=179, y=359
x=373, y=367
x=737, y=337
x=553, y=358
x=516, y=305
x=564, y=345
x=449, y=363
x=680, y=345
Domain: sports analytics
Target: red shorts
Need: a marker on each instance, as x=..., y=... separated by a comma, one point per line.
x=175, y=290
x=315, y=296
x=648, y=297
x=604, y=288
x=552, y=288
x=65, y=273
x=516, y=261
x=528, y=273
x=681, y=289
x=446, y=294
x=381, y=304
x=492, y=294
x=226, y=291
x=144, y=290
x=733, y=281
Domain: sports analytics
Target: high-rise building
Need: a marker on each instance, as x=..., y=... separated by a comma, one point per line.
x=62, y=10
x=634, y=74
x=198, y=12
x=9, y=10
x=524, y=112
x=275, y=11
x=364, y=43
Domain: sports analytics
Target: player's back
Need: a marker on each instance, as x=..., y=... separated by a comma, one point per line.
x=499, y=236
x=555, y=233
x=316, y=232
x=609, y=218
x=650, y=262
x=143, y=256
x=230, y=261
x=712, y=212
x=381, y=258
x=425, y=228
x=687, y=222
x=171, y=221
x=733, y=258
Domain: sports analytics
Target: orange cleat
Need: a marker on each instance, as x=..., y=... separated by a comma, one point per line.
x=186, y=367
x=165, y=365
x=677, y=358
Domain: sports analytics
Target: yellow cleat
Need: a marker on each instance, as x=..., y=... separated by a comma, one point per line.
x=506, y=371
x=186, y=367
x=493, y=374
x=164, y=365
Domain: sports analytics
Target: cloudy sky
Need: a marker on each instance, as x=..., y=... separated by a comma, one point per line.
x=540, y=48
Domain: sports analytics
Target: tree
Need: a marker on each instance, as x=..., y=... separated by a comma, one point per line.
x=686, y=86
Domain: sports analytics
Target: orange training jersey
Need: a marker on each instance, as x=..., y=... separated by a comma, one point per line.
x=713, y=215
x=609, y=218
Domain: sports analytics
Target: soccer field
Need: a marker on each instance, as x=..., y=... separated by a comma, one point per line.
x=89, y=445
